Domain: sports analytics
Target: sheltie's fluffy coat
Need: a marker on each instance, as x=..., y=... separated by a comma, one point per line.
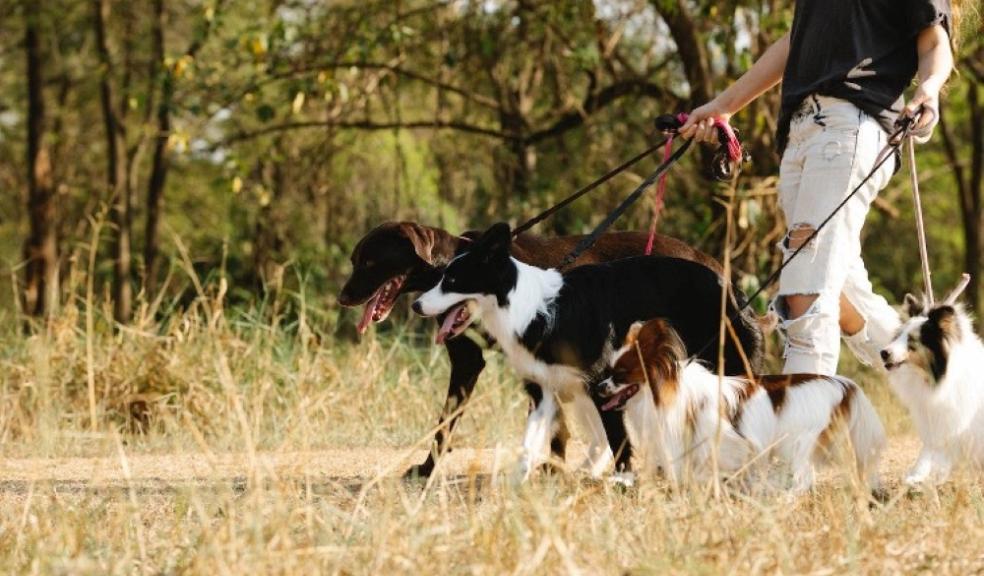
x=936, y=366
x=674, y=409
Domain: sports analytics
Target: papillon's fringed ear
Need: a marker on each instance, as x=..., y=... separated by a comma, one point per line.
x=497, y=239
x=633, y=334
x=913, y=306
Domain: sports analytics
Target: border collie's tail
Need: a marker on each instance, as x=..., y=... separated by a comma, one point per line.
x=749, y=329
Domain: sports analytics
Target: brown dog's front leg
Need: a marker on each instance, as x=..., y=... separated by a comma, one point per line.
x=466, y=364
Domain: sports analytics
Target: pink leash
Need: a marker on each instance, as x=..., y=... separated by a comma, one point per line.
x=734, y=154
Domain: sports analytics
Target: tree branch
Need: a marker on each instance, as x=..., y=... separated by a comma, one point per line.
x=363, y=125
x=597, y=101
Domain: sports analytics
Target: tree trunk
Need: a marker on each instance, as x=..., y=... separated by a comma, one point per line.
x=974, y=227
x=691, y=48
x=159, y=168
x=116, y=173
x=41, y=292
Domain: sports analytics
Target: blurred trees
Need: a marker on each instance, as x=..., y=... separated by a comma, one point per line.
x=263, y=138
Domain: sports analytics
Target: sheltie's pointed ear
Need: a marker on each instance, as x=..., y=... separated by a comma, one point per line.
x=497, y=240
x=632, y=336
x=913, y=306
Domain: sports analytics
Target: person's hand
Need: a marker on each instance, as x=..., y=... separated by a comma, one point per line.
x=925, y=101
x=700, y=124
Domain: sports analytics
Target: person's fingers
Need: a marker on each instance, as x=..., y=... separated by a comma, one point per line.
x=698, y=134
x=913, y=106
x=706, y=131
x=688, y=126
x=927, y=118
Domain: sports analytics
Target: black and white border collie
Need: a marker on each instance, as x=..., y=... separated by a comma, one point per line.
x=682, y=418
x=936, y=367
x=559, y=331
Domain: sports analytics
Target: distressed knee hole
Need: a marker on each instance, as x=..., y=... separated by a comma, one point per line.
x=798, y=235
x=793, y=306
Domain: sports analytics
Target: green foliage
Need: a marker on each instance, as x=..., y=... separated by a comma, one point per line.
x=297, y=126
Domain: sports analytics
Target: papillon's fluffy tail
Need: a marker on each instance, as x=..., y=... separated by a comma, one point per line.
x=867, y=437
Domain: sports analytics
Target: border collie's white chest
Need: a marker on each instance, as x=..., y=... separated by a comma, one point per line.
x=532, y=296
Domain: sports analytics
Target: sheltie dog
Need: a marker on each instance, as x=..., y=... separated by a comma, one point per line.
x=687, y=422
x=936, y=366
x=558, y=331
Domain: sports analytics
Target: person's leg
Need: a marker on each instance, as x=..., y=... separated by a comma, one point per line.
x=868, y=321
x=837, y=155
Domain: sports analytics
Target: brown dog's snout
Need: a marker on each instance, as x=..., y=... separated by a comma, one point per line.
x=344, y=298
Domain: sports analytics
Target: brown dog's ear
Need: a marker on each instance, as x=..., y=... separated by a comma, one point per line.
x=422, y=238
x=913, y=306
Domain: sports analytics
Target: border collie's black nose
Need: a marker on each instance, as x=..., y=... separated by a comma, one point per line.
x=885, y=355
x=418, y=308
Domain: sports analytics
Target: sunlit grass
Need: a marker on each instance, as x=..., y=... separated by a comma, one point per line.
x=230, y=442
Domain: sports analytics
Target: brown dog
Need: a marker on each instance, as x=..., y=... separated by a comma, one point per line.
x=398, y=258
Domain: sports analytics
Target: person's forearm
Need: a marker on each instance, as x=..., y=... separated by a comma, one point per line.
x=763, y=75
x=935, y=59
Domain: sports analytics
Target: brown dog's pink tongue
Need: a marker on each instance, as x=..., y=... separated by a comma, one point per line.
x=367, y=313
x=447, y=327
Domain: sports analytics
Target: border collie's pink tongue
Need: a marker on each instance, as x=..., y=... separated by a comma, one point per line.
x=368, y=313
x=453, y=323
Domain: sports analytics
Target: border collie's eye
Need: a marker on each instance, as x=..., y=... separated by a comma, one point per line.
x=369, y=263
x=449, y=281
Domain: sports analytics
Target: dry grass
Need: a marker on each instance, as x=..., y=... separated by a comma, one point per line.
x=266, y=448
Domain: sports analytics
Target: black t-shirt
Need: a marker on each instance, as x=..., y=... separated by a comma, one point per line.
x=863, y=51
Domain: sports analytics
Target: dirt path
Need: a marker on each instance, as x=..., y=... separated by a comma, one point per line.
x=335, y=465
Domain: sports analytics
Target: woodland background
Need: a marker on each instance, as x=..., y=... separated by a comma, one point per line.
x=254, y=142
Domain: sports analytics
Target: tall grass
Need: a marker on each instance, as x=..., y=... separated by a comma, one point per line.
x=231, y=442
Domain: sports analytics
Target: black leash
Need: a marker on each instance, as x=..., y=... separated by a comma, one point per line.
x=605, y=178
x=589, y=240
x=895, y=142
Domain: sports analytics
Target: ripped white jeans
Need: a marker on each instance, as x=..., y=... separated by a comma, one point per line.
x=832, y=146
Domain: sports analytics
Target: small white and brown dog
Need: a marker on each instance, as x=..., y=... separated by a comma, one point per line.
x=936, y=367
x=681, y=417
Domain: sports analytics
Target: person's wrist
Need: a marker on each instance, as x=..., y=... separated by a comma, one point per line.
x=724, y=106
x=931, y=87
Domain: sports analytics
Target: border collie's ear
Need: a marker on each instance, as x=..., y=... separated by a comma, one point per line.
x=633, y=334
x=497, y=239
x=422, y=238
x=913, y=306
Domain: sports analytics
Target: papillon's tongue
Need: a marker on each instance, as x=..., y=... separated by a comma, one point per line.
x=368, y=312
x=450, y=323
x=619, y=399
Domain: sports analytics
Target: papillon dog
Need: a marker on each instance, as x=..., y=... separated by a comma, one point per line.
x=687, y=422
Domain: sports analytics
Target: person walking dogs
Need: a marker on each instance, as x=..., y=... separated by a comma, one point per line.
x=844, y=66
